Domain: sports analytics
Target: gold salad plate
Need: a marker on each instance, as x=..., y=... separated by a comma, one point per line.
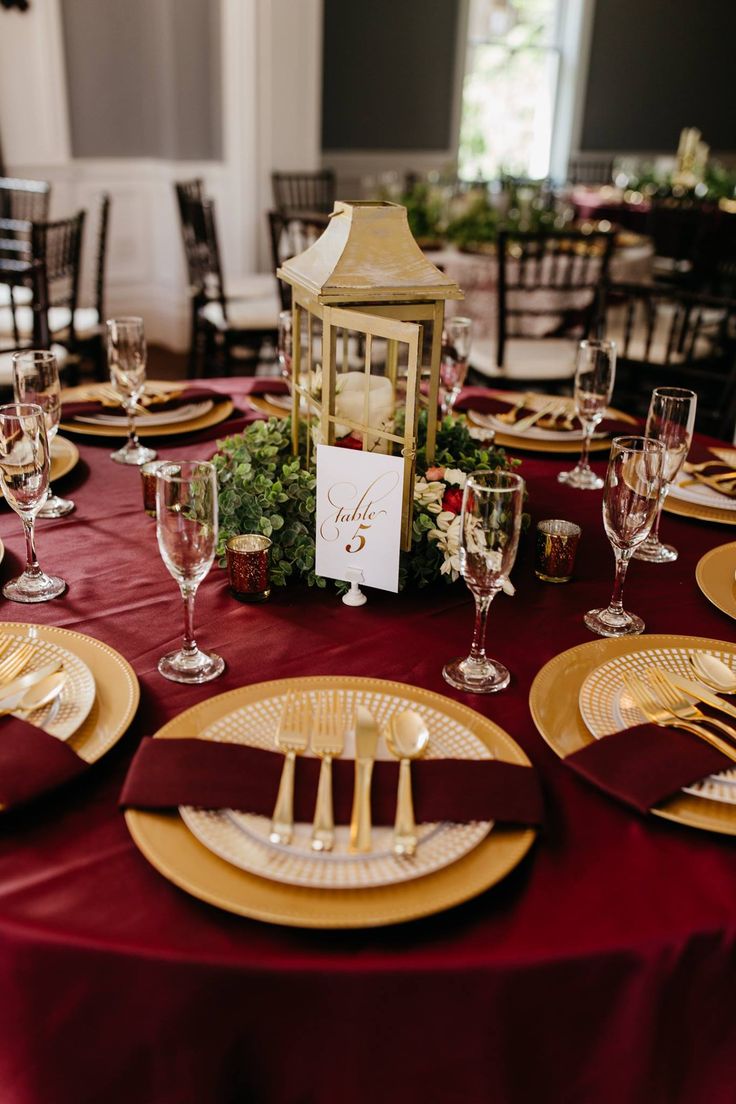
x=553, y=701
x=169, y=846
x=219, y=413
x=116, y=685
x=716, y=577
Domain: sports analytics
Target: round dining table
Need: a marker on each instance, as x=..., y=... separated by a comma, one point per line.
x=601, y=969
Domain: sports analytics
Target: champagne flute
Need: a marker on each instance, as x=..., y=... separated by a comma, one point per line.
x=24, y=478
x=595, y=373
x=126, y=358
x=489, y=536
x=36, y=380
x=186, y=526
x=671, y=420
x=285, y=345
x=454, y=360
x=630, y=500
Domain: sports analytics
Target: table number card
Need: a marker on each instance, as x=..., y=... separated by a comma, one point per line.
x=359, y=496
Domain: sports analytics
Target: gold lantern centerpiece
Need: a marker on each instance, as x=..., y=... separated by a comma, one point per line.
x=368, y=311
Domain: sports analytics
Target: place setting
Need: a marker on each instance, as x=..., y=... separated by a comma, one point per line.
x=705, y=488
x=65, y=701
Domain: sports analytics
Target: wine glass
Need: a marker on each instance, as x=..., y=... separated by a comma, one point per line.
x=126, y=358
x=186, y=526
x=24, y=478
x=285, y=345
x=671, y=420
x=36, y=380
x=630, y=500
x=489, y=536
x=454, y=360
x=595, y=372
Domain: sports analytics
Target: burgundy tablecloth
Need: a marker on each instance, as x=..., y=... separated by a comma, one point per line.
x=602, y=970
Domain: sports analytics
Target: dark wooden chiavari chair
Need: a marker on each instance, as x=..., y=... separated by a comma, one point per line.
x=27, y=200
x=295, y=192
x=588, y=170
x=673, y=337
x=290, y=235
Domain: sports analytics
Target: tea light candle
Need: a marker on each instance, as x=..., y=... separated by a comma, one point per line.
x=148, y=479
x=248, y=567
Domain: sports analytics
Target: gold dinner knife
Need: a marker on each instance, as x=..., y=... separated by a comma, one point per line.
x=366, y=740
x=701, y=693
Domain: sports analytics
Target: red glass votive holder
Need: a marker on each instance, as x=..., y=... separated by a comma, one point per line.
x=557, y=543
x=248, y=567
x=148, y=478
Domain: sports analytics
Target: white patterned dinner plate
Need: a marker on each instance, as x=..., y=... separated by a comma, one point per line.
x=243, y=839
x=700, y=493
x=63, y=716
x=165, y=417
x=606, y=705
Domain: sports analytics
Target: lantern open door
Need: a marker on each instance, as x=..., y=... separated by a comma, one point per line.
x=368, y=391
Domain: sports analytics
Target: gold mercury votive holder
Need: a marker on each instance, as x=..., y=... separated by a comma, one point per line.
x=148, y=479
x=248, y=567
x=556, y=545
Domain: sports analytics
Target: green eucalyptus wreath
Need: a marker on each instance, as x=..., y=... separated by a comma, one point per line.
x=263, y=488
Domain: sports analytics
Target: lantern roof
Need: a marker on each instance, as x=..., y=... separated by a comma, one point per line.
x=367, y=254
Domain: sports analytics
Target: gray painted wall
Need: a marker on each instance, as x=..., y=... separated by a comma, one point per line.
x=389, y=74
x=657, y=66
x=143, y=78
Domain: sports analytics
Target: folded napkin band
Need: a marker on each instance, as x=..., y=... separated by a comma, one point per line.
x=91, y=407
x=477, y=398
x=646, y=764
x=168, y=773
x=32, y=762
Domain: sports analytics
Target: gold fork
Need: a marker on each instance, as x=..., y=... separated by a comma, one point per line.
x=292, y=738
x=679, y=704
x=327, y=741
x=109, y=394
x=653, y=710
x=13, y=662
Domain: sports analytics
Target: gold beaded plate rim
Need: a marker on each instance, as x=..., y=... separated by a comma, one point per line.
x=117, y=690
x=167, y=844
x=553, y=702
x=714, y=574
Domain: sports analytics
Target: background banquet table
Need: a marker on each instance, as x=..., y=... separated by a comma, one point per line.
x=602, y=969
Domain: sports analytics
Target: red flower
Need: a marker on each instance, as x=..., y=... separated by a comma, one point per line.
x=452, y=500
x=349, y=442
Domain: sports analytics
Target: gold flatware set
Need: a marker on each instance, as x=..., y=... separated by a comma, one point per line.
x=25, y=693
x=321, y=729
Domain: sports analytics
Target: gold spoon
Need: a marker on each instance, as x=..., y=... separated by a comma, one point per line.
x=713, y=671
x=407, y=737
x=43, y=693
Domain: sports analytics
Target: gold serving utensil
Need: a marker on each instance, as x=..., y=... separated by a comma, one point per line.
x=43, y=693
x=725, y=487
x=509, y=416
x=327, y=741
x=366, y=740
x=657, y=714
x=13, y=662
x=713, y=671
x=407, y=737
x=291, y=738
x=532, y=419
x=679, y=704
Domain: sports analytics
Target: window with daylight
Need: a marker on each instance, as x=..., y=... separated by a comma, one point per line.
x=511, y=86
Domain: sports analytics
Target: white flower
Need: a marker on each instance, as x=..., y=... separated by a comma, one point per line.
x=429, y=495
x=455, y=476
x=447, y=535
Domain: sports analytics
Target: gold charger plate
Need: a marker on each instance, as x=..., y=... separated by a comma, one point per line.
x=714, y=575
x=168, y=845
x=264, y=405
x=64, y=457
x=698, y=510
x=116, y=685
x=553, y=702
x=219, y=413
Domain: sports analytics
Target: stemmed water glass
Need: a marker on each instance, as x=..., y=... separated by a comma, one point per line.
x=595, y=373
x=489, y=536
x=671, y=420
x=24, y=478
x=126, y=358
x=186, y=526
x=630, y=500
x=454, y=360
x=36, y=380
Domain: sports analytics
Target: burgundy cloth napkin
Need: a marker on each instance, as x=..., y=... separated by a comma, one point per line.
x=32, y=762
x=643, y=765
x=167, y=773
x=478, y=398
x=90, y=407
